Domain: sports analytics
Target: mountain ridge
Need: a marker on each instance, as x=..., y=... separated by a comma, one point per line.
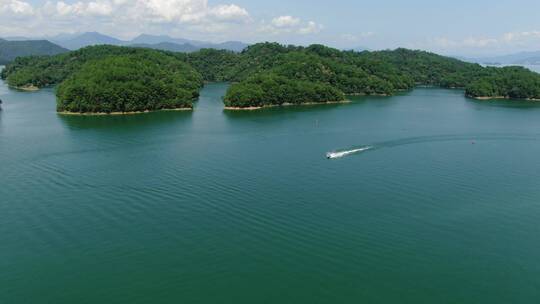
x=9, y=50
x=74, y=42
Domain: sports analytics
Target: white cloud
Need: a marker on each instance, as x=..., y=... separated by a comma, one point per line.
x=285, y=21
x=196, y=19
x=78, y=9
x=310, y=28
x=142, y=11
x=100, y=8
x=173, y=10
x=16, y=7
x=231, y=12
x=290, y=24
x=185, y=11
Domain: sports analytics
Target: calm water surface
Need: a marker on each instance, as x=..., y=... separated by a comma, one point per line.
x=219, y=207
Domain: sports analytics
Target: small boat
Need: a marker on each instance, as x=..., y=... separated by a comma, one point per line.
x=332, y=155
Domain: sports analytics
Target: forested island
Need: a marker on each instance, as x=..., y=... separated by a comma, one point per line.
x=107, y=79
x=129, y=83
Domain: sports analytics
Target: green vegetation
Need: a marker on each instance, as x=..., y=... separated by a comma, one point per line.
x=130, y=83
x=42, y=71
x=9, y=50
x=268, y=90
x=214, y=65
x=262, y=75
x=508, y=82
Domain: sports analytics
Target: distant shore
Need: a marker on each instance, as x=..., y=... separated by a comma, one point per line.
x=501, y=97
x=119, y=113
x=287, y=104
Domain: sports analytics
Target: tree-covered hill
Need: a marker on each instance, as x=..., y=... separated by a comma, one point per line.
x=272, y=90
x=9, y=50
x=273, y=74
x=215, y=65
x=507, y=82
x=42, y=71
x=130, y=83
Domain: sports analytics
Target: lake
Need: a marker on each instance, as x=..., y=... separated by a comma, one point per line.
x=243, y=207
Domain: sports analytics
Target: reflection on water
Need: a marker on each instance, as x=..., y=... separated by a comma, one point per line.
x=506, y=103
x=125, y=122
x=283, y=110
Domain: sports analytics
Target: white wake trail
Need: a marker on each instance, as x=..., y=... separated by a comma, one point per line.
x=333, y=155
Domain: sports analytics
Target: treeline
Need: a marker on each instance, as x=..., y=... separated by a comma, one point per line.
x=273, y=74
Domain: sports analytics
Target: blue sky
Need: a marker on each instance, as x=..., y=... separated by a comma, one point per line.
x=473, y=28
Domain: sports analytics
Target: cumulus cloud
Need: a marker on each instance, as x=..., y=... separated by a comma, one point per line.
x=290, y=24
x=285, y=21
x=16, y=7
x=78, y=9
x=161, y=11
x=126, y=18
x=310, y=28
x=231, y=12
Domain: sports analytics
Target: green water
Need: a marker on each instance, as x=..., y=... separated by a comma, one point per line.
x=218, y=207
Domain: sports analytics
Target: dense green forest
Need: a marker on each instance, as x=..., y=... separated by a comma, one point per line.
x=9, y=50
x=508, y=82
x=268, y=89
x=130, y=83
x=42, y=71
x=273, y=74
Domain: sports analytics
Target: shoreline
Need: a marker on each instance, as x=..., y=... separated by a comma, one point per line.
x=27, y=88
x=487, y=98
x=287, y=104
x=368, y=95
x=118, y=113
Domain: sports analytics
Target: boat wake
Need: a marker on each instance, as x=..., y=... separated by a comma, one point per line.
x=472, y=138
x=339, y=154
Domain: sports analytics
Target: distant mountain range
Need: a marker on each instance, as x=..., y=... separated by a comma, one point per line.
x=164, y=42
x=9, y=50
x=523, y=58
x=85, y=39
x=12, y=47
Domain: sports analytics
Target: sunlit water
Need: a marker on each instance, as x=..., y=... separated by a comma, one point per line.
x=232, y=207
